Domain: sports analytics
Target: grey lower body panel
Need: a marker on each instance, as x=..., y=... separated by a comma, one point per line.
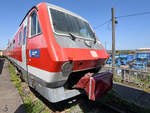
x=48, y=90
x=46, y=84
x=56, y=94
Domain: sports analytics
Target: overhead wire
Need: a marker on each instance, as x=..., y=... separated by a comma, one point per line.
x=122, y=16
x=98, y=26
x=134, y=14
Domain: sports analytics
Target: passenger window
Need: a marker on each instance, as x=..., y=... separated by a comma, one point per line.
x=35, y=28
x=33, y=24
x=13, y=44
x=39, y=28
x=20, y=39
x=24, y=34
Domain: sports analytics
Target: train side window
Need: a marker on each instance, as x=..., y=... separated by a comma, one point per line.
x=33, y=24
x=39, y=28
x=35, y=28
x=24, y=34
x=13, y=44
x=10, y=46
x=20, y=39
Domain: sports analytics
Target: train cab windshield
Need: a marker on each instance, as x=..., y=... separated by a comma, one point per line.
x=64, y=23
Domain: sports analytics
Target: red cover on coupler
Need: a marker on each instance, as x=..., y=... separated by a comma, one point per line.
x=95, y=84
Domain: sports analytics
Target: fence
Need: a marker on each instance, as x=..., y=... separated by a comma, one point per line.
x=141, y=78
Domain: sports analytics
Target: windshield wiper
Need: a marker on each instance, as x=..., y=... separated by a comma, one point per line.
x=94, y=38
x=73, y=37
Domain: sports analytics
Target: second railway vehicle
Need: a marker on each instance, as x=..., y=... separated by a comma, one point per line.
x=58, y=54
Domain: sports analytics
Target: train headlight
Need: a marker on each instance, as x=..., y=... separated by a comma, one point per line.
x=67, y=68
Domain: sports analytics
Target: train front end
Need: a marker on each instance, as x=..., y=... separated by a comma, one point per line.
x=80, y=52
x=72, y=57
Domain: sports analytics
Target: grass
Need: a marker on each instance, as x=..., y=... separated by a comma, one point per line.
x=139, y=82
x=16, y=81
x=31, y=103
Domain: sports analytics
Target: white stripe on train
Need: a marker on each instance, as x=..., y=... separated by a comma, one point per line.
x=42, y=74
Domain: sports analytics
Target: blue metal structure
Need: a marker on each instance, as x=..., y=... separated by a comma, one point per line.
x=142, y=58
x=130, y=58
x=123, y=58
x=109, y=60
x=117, y=60
x=138, y=66
x=137, y=61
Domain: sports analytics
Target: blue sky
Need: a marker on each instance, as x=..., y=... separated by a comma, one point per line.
x=131, y=32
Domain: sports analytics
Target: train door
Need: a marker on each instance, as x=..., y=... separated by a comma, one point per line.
x=24, y=43
x=33, y=51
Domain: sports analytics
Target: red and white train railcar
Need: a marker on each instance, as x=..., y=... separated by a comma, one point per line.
x=54, y=48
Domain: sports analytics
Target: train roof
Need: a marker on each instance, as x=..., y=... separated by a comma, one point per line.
x=65, y=11
x=54, y=7
x=28, y=13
